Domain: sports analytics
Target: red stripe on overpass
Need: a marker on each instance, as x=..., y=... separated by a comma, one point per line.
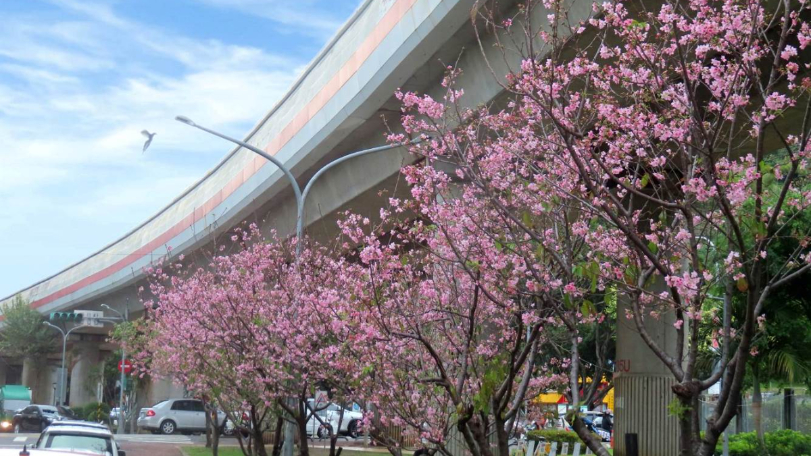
x=372, y=41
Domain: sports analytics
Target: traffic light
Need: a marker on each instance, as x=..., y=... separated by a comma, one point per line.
x=66, y=316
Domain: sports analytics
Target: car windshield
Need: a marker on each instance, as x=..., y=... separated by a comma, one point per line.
x=159, y=404
x=76, y=442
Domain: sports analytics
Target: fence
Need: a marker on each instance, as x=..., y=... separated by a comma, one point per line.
x=778, y=411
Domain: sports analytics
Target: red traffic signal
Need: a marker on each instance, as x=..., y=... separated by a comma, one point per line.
x=127, y=366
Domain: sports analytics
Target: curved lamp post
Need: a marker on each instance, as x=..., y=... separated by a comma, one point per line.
x=64, y=347
x=301, y=196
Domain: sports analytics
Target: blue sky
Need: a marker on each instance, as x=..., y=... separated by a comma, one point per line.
x=79, y=80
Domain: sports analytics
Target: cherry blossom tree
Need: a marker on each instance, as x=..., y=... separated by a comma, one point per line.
x=630, y=155
x=451, y=328
x=254, y=329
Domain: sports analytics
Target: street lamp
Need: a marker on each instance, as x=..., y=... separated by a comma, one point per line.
x=62, y=379
x=301, y=196
x=123, y=317
x=301, y=199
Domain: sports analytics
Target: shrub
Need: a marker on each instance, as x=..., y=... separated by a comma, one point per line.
x=96, y=411
x=780, y=443
x=554, y=435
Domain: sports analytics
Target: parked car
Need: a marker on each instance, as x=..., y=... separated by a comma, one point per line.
x=243, y=420
x=175, y=415
x=81, y=439
x=35, y=418
x=66, y=413
x=114, y=412
x=330, y=414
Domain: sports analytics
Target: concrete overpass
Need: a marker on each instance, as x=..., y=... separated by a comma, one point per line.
x=341, y=103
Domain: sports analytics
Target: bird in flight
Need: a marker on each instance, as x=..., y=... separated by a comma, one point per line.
x=149, y=137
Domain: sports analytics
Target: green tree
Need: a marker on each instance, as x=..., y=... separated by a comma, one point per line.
x=23, y=334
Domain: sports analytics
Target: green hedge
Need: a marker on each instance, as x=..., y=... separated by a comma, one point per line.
x=96, y=411
x=554, y=435
x=780, y=443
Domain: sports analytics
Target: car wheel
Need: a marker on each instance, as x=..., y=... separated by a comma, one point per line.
x=354, y=429
x=168, y=427
x=323, y=432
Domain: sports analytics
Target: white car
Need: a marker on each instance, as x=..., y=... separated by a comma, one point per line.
x=24, y=451
x=175, y=415
x=83, y=424
x=81, y=439
x=330, y=414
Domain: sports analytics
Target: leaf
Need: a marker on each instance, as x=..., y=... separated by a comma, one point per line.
x=526, y=219
x=645, y=180
x=653, y=247
x=587, y=308
x=742, y=284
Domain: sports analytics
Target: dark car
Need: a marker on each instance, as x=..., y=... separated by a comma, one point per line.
x=34, y=418
x=66, y=413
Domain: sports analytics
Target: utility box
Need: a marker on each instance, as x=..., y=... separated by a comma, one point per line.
x=14, y=397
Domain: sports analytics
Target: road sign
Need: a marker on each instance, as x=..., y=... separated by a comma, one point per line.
x=127, y=366
x=321, y=399
x=91, y=317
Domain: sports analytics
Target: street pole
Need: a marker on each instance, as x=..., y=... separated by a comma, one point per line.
x=62, y=379
x=124, y=317
x=301, y=199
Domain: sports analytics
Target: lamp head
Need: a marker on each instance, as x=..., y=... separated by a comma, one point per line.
x=185, y=120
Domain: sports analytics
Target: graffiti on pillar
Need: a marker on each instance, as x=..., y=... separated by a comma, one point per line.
x=623, y=365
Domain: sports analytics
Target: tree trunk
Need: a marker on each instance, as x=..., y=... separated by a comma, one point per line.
x=591, y=440
x=217, y=429
x=301, y=420
x=685, y=426
x=502, y=437
x=757, y=404
x=277, y=436
x=258, y=444
x=256, y=435
x=208, y=429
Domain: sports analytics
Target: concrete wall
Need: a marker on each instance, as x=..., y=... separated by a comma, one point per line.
x=643, y=385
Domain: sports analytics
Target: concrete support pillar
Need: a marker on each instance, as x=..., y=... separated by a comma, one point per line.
x=31, y=378
x=642, y=387
x=87, y=357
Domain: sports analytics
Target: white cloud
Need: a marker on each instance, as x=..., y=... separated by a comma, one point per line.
x=74, y=97
x=292, y=16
